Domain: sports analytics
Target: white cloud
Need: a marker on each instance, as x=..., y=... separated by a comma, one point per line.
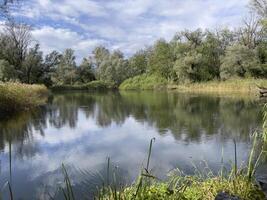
x=128, y=25
x=59, y=39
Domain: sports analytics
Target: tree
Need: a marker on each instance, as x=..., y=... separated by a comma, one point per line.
x=161, y=59
x=110, y=67
x=187, y=67
x=65, y=72
x=15, y=41
x=251, y=33
x=49, y=67
x=120, y=66
x=197, y=55
x=239, y=61
x=138, y=63
x=32, y=66
x=85, y=71
x=7, y=71
x=260, y=6
x=100, y=55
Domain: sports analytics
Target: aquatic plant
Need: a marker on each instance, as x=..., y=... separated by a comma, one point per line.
x=239, y=181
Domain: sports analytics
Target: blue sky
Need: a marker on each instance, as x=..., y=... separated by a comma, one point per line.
x=127, y=25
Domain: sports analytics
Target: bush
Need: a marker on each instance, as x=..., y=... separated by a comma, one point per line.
x=17, y=96
x=144, y=82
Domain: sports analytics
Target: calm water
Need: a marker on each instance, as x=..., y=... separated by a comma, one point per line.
x=82, y=130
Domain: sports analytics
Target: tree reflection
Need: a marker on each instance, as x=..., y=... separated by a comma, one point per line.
x=20, y=130
x=186, y=117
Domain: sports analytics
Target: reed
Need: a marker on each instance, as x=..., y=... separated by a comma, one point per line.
x=67, y=190
x=232, y=86
x=16, y=96
x=239, y=181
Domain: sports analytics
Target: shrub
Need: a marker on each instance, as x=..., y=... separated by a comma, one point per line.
x=144, y=82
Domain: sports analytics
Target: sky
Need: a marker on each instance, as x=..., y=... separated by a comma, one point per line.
x=127, y=25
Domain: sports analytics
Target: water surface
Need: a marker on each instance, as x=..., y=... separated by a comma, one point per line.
x=82, y=130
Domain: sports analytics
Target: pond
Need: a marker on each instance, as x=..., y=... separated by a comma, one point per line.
x=82, y=130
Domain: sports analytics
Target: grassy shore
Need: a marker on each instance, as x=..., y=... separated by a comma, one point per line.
x=144, y=82
x=234, y=86
x=237, y=182
x=16, y=96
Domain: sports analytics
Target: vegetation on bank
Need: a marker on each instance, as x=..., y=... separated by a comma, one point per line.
x=17, y=96
x=238, y=182
x=191, y=56
x=189, y=188
x=144, y=82
x=232, y=86
x=94, y=85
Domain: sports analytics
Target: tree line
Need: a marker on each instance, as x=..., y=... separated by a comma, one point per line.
x=191, y=56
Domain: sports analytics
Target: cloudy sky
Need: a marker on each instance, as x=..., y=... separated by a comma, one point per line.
x=127, y=25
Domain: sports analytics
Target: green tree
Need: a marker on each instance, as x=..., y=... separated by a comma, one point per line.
x=85, y=71
x=15, y=41
x=161, y=59
x=238, y=61
x=197, y=55
x=100, y=56
x=7, y=71
x=138, y=63
x=65, y=72
x=49, y=67
x=32, y=65
x=110, y=67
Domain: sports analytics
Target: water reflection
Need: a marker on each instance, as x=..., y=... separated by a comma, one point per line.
x=82, y=129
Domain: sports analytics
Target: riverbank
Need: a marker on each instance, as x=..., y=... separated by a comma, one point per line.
x=191, y=188
x=16, y=97
x=235, y=183
x=234, y=86
x=94, y=85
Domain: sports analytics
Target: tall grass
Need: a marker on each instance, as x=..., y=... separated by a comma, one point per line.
x=17, y=96
x=232, y=86
x=265, y=124
x=236, y=182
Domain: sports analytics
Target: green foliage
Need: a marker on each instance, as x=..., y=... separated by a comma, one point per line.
x=138, y=63
x=17, y=96
x=49, y=67
x=32, y=65
x=192, y=188
x=110, y=67
x=191, y=56
x=93, y=85
x=239, y=61
x=65, y=72
x=198, y=55
x=7, y=71
x=85, y=71
x=144, y=82
x=161, y=59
